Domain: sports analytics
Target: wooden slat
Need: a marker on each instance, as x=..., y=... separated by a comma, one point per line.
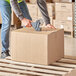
x=72, y=73
x=64, y=65
x=68, y=61
x=32, y=69
x=24, y=72
x=39, y=66
x=8, y=58
x=70, y=57
x=11, y=74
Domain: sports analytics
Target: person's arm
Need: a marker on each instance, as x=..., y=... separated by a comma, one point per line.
x=16, y=9
x=43, y=8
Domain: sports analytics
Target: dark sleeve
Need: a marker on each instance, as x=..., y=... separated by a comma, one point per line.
x=43, y=8
x=16, y=9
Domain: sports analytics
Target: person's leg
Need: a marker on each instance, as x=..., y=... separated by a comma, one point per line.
x=24, y=9
x=43, y=8
x=6, y=22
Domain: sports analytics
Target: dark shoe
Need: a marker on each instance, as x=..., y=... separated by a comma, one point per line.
x=36, y=25
x=4, y=54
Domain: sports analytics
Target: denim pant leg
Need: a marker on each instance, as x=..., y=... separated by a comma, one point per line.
x=24, y=9
x=6, y=22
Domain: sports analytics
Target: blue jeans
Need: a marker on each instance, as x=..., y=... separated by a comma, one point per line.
x=5, y=9
x=24, y=9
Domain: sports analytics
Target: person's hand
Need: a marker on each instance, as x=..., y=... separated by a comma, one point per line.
x=50, y=26
x=26, y=22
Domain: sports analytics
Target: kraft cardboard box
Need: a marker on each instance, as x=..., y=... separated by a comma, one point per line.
x=62, y=0
x=15, y=21
x=66, y=0
x=33, y=1
x=27, y=0
x=56, y=0
x=64, y=11
x=33, y=10
x=48, y=0
x=51, y=9
x=67, y=25
x=51, y=20
x=64, y=7
x=64, y=16
x=45, y=47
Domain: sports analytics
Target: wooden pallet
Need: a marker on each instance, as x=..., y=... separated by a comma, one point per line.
x=64, y=67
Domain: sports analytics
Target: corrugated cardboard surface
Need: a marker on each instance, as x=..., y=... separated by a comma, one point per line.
x=56, y=0
x=27, y=0
x=62, y=0
x=45, y=47
x=64, y=16
x=51, y=9
x=67, y=25
x=33, y=1
x=64, y=7
x=55, y=46
x=33, y=10
x=48, y=0
x=66, y=0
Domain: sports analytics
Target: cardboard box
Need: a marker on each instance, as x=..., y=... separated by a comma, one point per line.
x=64, y=11
x=62, y=0
x=15, y=21
x=27, y=0
x=45, y=47
x=56, y=0
x=50, y=8
x=33, y=10
x=13, y=18
x=64, y=16
x=51, y=20
x=33, y=1
x=0, y=19
x=66, y=0
x=67, y=25
x=64, y=7
x=48, y=0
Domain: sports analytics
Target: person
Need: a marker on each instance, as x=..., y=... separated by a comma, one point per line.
x=27, y=22
x=22, y=12
x=5, y=10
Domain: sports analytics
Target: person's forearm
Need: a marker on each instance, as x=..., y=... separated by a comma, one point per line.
x=16, y=9
x=43, y=8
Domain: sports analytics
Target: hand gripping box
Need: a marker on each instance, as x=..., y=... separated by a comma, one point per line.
x=43, y=47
